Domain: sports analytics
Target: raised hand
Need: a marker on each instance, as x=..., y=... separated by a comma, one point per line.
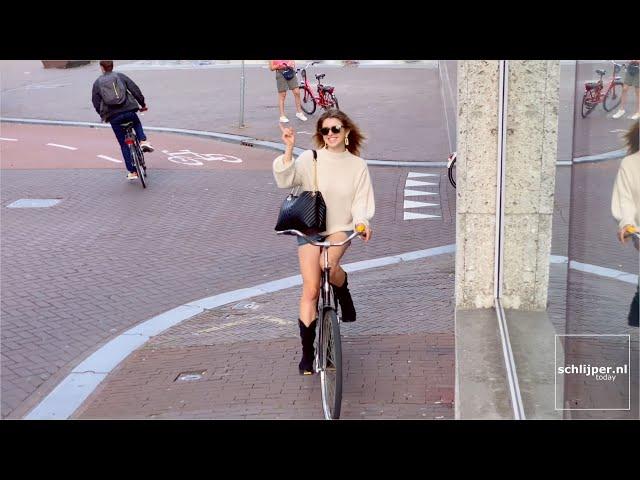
x=288, y=136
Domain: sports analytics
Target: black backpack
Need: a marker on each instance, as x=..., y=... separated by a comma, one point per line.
x=112, y=89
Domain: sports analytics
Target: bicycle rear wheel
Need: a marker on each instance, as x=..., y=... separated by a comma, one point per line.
x=307, y=101
x=588, y=104
x=331, y=371
x=138, y=162
x=613, y=97
x=334, y=101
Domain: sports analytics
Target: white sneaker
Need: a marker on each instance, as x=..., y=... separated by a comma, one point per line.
x=301, y=116
x=284, y=119
x=619, y=113
x=132, y=176
x=146, y=146
x=635, y=116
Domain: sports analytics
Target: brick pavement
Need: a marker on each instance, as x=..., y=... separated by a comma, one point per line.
x=581, y=303
x=398, y=357
x=111, y=255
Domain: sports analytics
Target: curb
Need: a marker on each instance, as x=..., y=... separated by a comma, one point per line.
x=224, y=137
x=279, y=147
x=75, y=388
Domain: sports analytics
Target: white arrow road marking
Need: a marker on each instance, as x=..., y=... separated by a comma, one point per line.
x=109, y=158
x=416, y=174
x=412, y=204
x=9, y=139
x=413, y=216
x=417, y=183
x=417, y=193
x=61, y=146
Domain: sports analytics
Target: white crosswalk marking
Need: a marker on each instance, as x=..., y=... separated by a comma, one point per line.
x=418, y=183
x=417, y=193
x=432, y=208
x=9, y=139
x=416, y=174
x=412, y=204
x=413, y=216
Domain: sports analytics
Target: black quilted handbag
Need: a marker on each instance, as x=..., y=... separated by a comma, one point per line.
x=306, y=212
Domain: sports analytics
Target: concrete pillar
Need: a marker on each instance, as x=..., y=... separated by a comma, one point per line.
x=531, y=149
x=476, y=169
x=532, y=141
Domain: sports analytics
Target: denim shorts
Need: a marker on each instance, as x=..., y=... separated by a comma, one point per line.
x=317, y=237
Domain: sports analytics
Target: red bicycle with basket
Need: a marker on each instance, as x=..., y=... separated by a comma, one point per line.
x=324, y=94
x=595, y=92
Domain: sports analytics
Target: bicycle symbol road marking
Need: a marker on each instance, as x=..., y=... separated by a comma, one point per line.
x=187, y=157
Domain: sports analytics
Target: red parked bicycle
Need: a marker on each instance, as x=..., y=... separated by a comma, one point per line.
x=324, y=96
x=595, y=92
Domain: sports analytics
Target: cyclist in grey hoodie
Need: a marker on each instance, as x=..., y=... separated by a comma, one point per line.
x=116, y=99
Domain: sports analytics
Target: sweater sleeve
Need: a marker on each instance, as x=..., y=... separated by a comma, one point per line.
x=290, y=175
x=96, y=98
x=363, y=207
x=622, y=206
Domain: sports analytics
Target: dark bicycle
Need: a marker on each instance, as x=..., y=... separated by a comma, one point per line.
x=131, y=139
x=451, y=168
x=328, y=361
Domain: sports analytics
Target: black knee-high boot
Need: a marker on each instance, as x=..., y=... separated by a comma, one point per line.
x=346, y=302
x=307, y=337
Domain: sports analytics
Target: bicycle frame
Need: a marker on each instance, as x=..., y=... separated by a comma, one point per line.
x=322, y=96
x=599, y=91
x=328, y=300
x=130, y=137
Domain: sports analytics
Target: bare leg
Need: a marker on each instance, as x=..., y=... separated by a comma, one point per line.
x=337, y=274
x=281, y=97
x=310, y=270
x=296, y=97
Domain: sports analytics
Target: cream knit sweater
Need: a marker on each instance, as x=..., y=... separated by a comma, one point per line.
x=625, y=201
x=343, y=180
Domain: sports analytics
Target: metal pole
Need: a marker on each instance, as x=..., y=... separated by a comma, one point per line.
x=242, y=95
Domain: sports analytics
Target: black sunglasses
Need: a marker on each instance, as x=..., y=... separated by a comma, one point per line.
x=334, y=129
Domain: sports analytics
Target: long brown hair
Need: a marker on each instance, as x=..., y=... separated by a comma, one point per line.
x=632, y=137
x=356, y=138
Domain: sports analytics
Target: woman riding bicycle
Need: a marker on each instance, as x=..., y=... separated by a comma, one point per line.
x=344, y=181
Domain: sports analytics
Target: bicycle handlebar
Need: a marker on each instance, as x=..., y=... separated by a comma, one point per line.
x=632, y=232
x=315, y=62
x=316, y=243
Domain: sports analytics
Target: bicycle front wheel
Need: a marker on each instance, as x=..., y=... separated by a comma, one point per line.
x=308, y=103
x=139, y=162
x=613, y=97
x=331, y=371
